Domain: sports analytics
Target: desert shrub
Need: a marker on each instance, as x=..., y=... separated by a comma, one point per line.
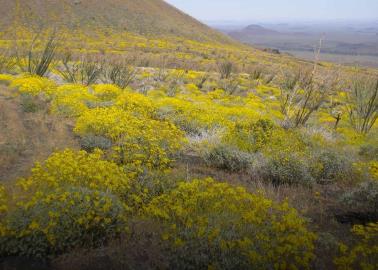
x=184, y=118
x=225, y=68
x=34, y=85
x=54, y=221
x=285, y=159
x=39, y=56
x=369, y=151
x=79, y=169
x=363, y=198
x=256, y=73
x=7, y=62
x=73, y=199
x=86, y=71
x=139, y=142
x=251, y=137
x=287, y=168
x=231, y=86
x=6, y=79
x=135, y=103
x=195, y=113
x=228, y=158
x=367, y=170
x=303, y=93
x=363, y=104
x=364, y=253
x=373, y=169
x=201, y=80
x=71, y=100
x=214, y=225
x=28, y=103
x=106, y=92
x=330, y=166
x=119, y=73
x=90, y=142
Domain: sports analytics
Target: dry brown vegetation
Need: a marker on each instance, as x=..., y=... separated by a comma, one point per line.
x=28, y=134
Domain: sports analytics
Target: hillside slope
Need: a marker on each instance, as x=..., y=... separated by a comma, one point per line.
x=27, y=137
x=145, y=17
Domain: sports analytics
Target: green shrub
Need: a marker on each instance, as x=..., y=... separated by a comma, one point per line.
x=251, y=137
x=369, y=151
x=226, y=68
x=330, y=166
x=29, y=104
x=287, y=168
x=228, y=158
x=91, y=142
x=363, y=198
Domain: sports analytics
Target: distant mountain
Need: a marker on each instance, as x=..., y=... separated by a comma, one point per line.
x=144, y=17
x=259, y=30
x=252, y=30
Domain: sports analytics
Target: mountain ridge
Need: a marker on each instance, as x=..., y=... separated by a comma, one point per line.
x=145, y=17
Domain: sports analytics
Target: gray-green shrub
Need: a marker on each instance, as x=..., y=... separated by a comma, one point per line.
x=228, y=158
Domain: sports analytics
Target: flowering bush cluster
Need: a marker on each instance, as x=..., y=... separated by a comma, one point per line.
x=214, y=225
x=251, y=137
x=34, y=85
x=80, y=200
x=137, y=104
x=364, y=254
x=138, y=141
x=71, y=100
x=73, y=199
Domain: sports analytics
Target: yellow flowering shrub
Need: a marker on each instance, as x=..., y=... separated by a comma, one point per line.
x=34, y=85
x=106, y=92
x=77, y=168
x=74, y=199
x=6, y=78
x=135, y=103
x=138, y=142
x=193, y=112
x=364, y=254
x=287, y=159
x=54, y=221
x=251, y=136
x=373, y=169
x=71, y=100
x=214, y=225
x=192, y=88
x=367, y=169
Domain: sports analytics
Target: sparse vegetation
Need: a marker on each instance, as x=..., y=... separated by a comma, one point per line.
x=363, y=104
x=120, y=73
x=225, y=69
x=38, y=58
x=86, y=71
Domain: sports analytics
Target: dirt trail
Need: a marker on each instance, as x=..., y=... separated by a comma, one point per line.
x=28, y=137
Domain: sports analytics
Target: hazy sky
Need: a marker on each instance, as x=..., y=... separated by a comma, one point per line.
x=279, y=10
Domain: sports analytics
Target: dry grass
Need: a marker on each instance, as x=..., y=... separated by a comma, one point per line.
x=28, y=137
